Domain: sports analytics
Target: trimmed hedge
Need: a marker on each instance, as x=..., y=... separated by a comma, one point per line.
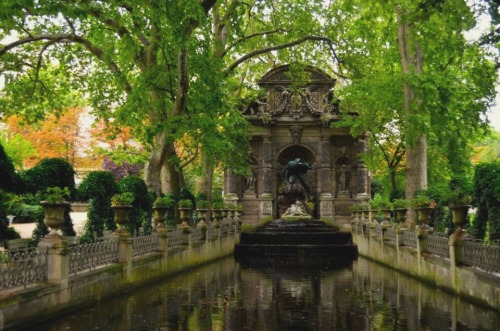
x=10, y=181
x=50, y=172
x=487, y=199
x=98, y=187
x=141, y=213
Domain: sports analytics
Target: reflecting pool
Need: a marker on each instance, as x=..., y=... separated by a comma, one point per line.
x=227, y=296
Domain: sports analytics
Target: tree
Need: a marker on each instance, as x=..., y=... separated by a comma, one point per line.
x=416, y=79
x=167, y=74
x=10, y=181
x=55, y=137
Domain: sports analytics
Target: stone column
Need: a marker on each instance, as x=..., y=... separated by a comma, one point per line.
x=362, y=173
x=230, y=186
x=266, y=198
x=325, y=174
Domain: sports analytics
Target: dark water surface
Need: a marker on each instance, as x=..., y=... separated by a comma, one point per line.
x=227, y=296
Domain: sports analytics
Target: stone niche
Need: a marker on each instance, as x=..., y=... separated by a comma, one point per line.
x=295, y=124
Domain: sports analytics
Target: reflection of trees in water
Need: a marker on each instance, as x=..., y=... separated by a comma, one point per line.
x=225, y=296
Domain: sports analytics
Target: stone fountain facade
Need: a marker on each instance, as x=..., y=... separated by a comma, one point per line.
x=294, y=123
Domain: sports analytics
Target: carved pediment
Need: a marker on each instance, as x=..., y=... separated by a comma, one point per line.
x=290, y=102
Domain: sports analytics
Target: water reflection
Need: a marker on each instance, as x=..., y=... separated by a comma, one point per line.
x=227, y=296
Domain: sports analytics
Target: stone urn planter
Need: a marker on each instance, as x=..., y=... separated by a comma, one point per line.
x=386, y=215
x=54, y=217
x=202, y=223
x=217, y=217
x=202, y=215
x=423, y=215
x=401, y=215
x=184, y=215
x=121, y=217
x=160, y=217
x=459, y=216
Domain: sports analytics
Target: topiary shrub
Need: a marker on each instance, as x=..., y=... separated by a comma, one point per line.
x=52, y=172
x=10, y=181
x=98, y=187
x=6, y=232
x=141, y=214
x=487, y=199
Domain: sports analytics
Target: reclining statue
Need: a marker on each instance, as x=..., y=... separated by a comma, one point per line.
x=296, y=211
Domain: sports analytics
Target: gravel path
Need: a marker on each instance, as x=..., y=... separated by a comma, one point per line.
x=26, y=229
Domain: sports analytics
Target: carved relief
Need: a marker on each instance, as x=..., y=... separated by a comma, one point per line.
x=325, y=180
x=312, y=145
x=325, y=151
x=326, y=208
x=251, y=208
x=342, y=209
x=267, y=151
x=362, y=180
x=296, y=132
x=296, y=106
x=267, y=181
x=267, y=207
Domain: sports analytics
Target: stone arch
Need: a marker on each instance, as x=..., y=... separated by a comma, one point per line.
x=288, y=194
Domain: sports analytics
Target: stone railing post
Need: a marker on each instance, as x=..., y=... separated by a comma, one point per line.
x=163, y=236
x=125, y=243
x=399, y=237
x=384, y=231
x=421, y=241
x=58, y=260
x=456, y=256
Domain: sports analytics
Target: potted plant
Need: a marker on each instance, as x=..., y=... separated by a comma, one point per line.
x=202, y=207
x=185, y=206
x=122, y=204
x=217, y=207
x=459, y=199
x=400, y=207
x=160, y=211
x=53, y=205
x=381, y=205
x=423, y=204
x=122, y=199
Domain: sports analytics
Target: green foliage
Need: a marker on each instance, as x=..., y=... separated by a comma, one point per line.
x=185, y=203
x=6, y=232
x=17, y=148
x=202, y=204
x=141, y=213
x=379, y=203
x=163, y=202
x=99, y=187
x=487, y=198
x=460, y=191
x=401, y=203
x=10, y=181
x=56, y=194
x=122, y=199
x=422, y=199
x=50, y=172
x=216, y=205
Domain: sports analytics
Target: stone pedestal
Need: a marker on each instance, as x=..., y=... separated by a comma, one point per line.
x=326, y=206
x=266, y=204
x=58, y=259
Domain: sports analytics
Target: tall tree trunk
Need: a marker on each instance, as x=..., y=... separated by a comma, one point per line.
x=412, y=63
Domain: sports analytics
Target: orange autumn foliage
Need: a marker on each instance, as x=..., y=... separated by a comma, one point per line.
x=56, y=137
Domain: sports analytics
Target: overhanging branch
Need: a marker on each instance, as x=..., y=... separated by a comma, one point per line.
x=257, y=52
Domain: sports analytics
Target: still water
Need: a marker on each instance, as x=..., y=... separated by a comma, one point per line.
x=227, y=296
